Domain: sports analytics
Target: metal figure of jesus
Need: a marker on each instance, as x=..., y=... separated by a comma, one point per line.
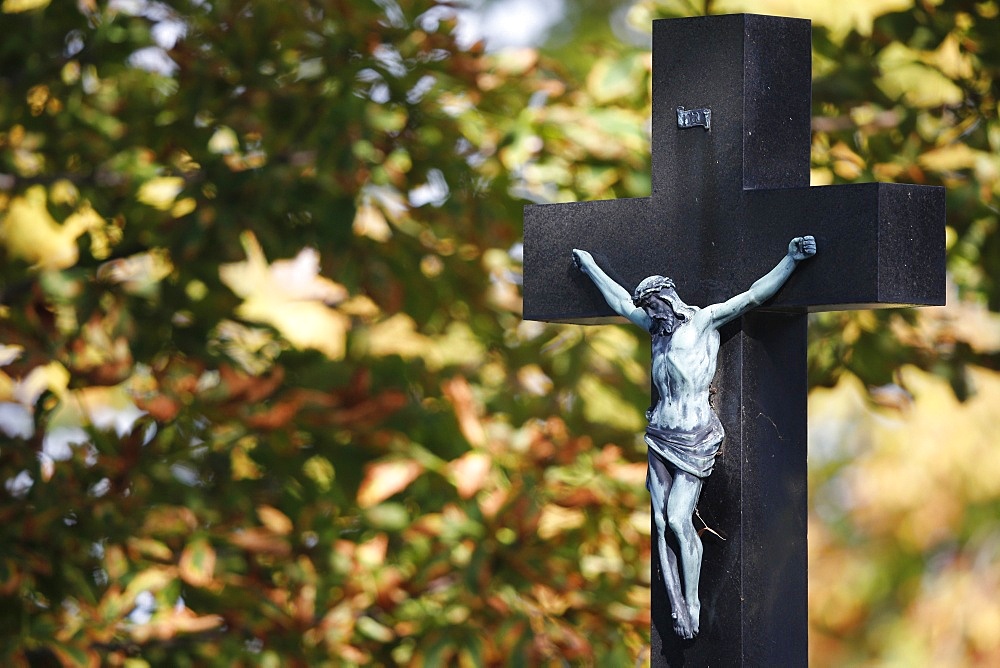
x=684, y=433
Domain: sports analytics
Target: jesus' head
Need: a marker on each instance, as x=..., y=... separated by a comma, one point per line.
x=658, y=297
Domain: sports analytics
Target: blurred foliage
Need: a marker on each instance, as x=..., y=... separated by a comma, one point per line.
x=265, y=391
x=904, y=547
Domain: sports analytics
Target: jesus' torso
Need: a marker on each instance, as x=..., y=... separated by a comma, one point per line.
x=683, y=367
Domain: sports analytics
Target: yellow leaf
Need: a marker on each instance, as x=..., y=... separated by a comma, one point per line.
x=360, y=306
x=397, y=335
x=7, y=386
x=303, y=324
x=904, y=75
x=31, y=233
x=152, y=579
x=84, y=218
x=555, y=520
x=284, y=279
x=64, y=192
x=9, y=353
x=52, y=377
x=244, y=278
x=820, y=177
x=951, y=157
x=18, y=6
x=370, y=222
x=160, y=192
x=224, y=141
x=319, y=469
x=102, y=239
x=149, y=548
x=841, y=151
x=183, y=207
x=840, y=17
x=197, y=563
x=291, y=296
x=458, y=346
x=383, y=479
x=952, y=59
x=243, y=466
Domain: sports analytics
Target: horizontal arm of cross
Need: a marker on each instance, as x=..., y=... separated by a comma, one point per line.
x=880, y=245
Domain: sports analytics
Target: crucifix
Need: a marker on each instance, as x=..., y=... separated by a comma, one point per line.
x=730, y=187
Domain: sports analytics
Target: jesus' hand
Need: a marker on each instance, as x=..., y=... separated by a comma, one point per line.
x=801, y=248
x=581, y=259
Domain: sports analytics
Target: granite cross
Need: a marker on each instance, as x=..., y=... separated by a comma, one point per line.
x=730, y=187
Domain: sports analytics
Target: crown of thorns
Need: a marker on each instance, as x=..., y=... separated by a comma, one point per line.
x=649, y=287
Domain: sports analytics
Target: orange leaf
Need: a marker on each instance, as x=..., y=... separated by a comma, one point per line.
x=467, y=410
x=278, y=415
x=275, y=520
x=469, y=473
x=372, y=552
x=260, y=540
x=173, y=623
x=383, y=479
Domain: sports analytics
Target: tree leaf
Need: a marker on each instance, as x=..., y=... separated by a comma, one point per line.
x=291, y=296
x=275, y=520
x=384, y=479
x=197, y=563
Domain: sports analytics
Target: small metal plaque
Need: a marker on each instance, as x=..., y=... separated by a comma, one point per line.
x=689, y=118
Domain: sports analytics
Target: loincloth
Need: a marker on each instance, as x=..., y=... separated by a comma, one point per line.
x=691, y=451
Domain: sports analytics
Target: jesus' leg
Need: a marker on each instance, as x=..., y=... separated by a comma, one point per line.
x=659, y=483
x=681, y=502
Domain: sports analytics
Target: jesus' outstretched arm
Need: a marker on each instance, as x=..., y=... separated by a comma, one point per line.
x=615, y=295
x=799, y=248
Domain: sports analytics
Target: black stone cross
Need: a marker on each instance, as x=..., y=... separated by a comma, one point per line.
x=725, y=201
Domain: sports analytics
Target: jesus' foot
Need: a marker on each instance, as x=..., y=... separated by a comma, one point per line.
x=694, y=614
x=682, y=623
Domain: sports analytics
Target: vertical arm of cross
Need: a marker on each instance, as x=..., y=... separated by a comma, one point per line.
x=745, y=183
